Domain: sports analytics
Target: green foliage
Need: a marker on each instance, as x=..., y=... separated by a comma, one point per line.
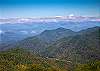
x=91, y=66
x=19, y=59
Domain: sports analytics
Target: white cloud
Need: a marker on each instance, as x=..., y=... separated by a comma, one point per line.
x=24, y=32
x=71, y=15
x=1, y=32
x=33, y=32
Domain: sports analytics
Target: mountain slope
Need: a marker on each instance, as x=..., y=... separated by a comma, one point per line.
x=55, y=34
x=39, y=42
x=79, y=48
x=33, y=43
x=19, y=59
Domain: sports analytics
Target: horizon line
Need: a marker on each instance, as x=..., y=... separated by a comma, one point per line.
x=52, y=17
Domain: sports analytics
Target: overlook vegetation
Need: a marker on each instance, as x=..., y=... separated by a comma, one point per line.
x=19, y=59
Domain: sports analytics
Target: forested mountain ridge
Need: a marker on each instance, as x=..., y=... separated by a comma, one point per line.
x=42, y=40
x=55, y=34
x=85, y=45
x=77, y=52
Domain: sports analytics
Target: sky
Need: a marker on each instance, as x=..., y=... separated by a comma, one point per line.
x=48, y=8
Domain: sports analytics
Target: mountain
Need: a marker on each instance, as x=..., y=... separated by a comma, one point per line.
x=66, y=44
x=39, y=42
x=55, y=34
x=33, y=43
x=10, y=37
x=12, y=32
x=79, y=48
x=60, y=49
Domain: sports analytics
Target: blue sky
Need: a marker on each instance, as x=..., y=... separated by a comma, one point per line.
x=45, y=8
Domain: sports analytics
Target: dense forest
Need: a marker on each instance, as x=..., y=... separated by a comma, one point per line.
x=21, y=60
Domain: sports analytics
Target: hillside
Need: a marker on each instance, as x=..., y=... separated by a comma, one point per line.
x=39, y=42
x=79, y=48
x=20, y=59
x=55, y=34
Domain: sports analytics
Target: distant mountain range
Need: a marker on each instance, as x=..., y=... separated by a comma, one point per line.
x=10, y=33
x=46, y=37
